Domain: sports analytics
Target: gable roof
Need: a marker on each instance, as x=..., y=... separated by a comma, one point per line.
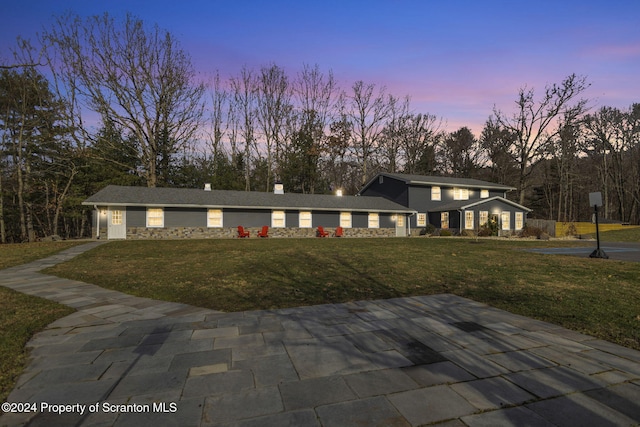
x=115, y=195
x=467, y=204
x=441, y=181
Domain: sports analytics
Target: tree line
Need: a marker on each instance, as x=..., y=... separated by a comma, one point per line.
x=97, y=101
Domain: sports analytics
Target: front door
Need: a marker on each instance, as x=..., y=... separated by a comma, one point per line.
x=116, y=224
x=401, y=227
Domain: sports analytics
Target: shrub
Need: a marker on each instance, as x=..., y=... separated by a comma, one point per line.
x=446, y=233
x=571, y=230
x=484, y=232
x=489, y=229
x=530, y=231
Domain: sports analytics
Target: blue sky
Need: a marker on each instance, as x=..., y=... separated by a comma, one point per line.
x=455, y=59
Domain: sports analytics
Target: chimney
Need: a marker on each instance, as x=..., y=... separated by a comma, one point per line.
x=278, y=188
x=207, y=187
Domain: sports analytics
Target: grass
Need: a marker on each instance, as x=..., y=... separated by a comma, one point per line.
x=597, y=297
x=21, y=316
x=22, y=253
x=631, y=234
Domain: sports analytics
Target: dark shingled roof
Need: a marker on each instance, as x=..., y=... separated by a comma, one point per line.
x=443, y=180
x=114, y=195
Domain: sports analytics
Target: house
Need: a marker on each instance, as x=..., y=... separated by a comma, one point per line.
x=450, y=203
x=121, y=212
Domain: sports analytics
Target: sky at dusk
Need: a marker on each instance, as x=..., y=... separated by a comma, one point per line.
x=455, y=59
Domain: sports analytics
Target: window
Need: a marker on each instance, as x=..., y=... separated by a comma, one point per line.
x=155, y=217
x=484, y=218
x=444, y=220
x=399, y=220
x=484, y=194
x=435, y=193
x=277, y=219
x=505, y=217
x=116, y=217
x=519, y=220
x=374, y=220
x=345, y=219
x=460, y=194
x=304, y=219
x=421, y=220
x=214, y=218
x=468, y=220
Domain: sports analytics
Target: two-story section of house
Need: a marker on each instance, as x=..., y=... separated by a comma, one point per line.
x=450, y=203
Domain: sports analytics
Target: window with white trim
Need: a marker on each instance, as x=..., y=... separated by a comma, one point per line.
x=345, y=219
x=399, y=220
x=214, y=218
x=468, y=220
x=374, y=220
x=116, y=217
x=484, y=218
x=519, y=220
x=155, y=217
x=460, y=194
x=484, y=194
x=421, y=220
x=304, y=219
x=277, y=219
x=505, y=218
x=444, y=220
x=436, y=193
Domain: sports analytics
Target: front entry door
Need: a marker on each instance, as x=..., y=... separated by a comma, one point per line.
x=116, y=224
x=401, y=227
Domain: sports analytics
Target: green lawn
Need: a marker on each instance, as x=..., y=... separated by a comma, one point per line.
x=22, y=253
x=598, y=297
x=625, y=235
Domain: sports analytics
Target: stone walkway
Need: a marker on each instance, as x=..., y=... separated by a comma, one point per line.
x=445, y=360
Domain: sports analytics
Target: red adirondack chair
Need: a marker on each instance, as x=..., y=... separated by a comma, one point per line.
x=242, y=232
x=321, y=232
x=338, y=232
x=264, y=232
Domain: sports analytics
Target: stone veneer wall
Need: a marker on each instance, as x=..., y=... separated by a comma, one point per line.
x=228, y=233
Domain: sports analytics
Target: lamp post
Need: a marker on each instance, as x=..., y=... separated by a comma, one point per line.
x=595, y=200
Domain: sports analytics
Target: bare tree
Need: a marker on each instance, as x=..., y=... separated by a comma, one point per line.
x=315, y=96
x=368, y=112
x=315, y=93
x=274, y=105
x=495, y=141
x=535, y=123
x=391, y=140
x=243, y=91
x=613, y=139
x=138, y=78
x=219, y=98
x=565, y=152
x=338, y=163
